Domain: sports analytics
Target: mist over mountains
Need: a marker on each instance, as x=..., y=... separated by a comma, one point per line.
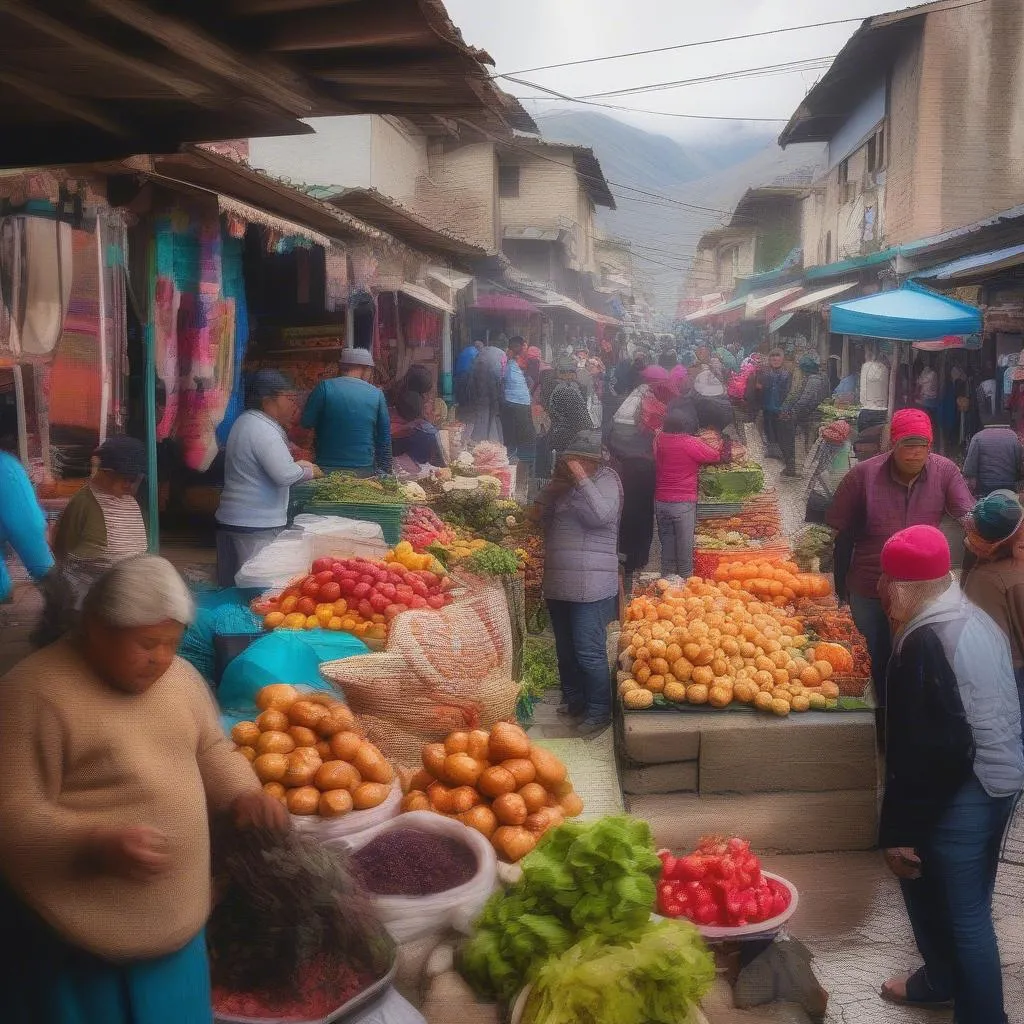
x=696, y=184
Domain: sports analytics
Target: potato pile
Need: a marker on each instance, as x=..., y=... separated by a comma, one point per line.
x=497, y=783
x=714, y=643
x=308, y=751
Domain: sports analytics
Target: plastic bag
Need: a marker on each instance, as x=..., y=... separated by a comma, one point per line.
x=281, y=657
x=289, y=555
x=337, y=537
x=440, y=671
x=408, y=918
x=391, y=1008
x=349, y=826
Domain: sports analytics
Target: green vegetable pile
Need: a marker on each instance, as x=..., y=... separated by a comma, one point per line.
x=659, y=976
x=814, y=543
x=735, y=481
x=493, y=560
x=345, y=489
x=482, y=512
x=540, y=674
x=582, y=880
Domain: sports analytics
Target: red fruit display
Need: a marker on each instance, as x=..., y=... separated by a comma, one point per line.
x=719, y=885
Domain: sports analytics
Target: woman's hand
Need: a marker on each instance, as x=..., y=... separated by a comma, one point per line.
x=575, y=467
x=258, y=810
x=903, y=862
x=137, y=852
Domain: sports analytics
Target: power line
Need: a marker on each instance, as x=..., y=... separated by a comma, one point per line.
x=708, y=42
x=552, y=93
x=767, y=70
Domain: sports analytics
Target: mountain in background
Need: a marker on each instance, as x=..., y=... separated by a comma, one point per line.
x=697, y=185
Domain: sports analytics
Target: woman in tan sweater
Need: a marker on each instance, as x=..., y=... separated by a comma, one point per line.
x=114, y=760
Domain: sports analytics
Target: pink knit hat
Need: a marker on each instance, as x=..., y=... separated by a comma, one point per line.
x=916, y=554
x=911, y=425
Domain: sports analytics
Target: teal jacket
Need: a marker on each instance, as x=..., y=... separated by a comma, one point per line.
x=353, y=428
x=22, y=523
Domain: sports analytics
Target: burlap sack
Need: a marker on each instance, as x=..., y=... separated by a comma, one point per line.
x=440, y=671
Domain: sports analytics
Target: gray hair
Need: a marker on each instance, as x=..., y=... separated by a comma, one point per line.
x=140, y=591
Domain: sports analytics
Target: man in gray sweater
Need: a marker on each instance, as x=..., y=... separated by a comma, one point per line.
x=995, y=459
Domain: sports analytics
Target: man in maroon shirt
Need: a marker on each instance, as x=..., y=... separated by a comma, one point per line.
x=908, y=486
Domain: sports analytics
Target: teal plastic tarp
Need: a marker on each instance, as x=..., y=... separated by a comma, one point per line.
x=910, y=313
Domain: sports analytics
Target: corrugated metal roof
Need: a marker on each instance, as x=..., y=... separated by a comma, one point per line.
x=977, y=262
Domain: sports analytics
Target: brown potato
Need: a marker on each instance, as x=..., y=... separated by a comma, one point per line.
x=304, y=800
x=457, y=743
x=522, y=769
x=547, y=817
x=306, y=713
x=481, y=819
x=302, y=768
x=249, y=753
x=345, y=745
x=280, y=696
x=339, y=718
x=419, y=781
x=415, y=801
x=497, y=781
x=550, y=771
x=270, y=767
x=329, y=700
x=535, y=796
x=433, y=758
x=273, y=721
x=508, y=741
x=336, y=775
x=369, y=794
x=571, y=805
x=510, y=809
x=462, y=799
x=479, y=745
x=372, y=766
x=462, y=770
x=334, y=803
x=440, y=797
x=323, y=748
x=513, y=842
x=274, y=789
x=303, y=737
x=245, y=734
x=275, y=743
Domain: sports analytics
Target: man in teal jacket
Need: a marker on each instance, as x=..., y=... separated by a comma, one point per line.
x=350, y=417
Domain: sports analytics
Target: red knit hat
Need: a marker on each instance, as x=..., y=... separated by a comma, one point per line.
x=911, y=425
x=916, y=553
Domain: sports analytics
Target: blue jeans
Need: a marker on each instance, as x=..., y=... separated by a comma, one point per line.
x=872, y=621
x=676, y=523
x=581, y=645
x=950, y=905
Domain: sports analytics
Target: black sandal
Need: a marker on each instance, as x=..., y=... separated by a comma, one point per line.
x=919, y=993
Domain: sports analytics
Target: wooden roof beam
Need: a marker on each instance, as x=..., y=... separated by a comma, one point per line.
x=347, y=28
x=89, y=46
x=275, y=84
x=77, y=110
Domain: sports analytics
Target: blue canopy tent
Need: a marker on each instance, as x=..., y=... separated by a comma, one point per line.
x=910, y=313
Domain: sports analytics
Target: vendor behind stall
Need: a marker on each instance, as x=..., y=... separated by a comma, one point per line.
x=258, y=472
x=117, y=762
x=412, y=434
x=350, y=417
x=103, y=522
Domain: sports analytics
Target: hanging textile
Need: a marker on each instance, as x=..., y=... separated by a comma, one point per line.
x=233, y=276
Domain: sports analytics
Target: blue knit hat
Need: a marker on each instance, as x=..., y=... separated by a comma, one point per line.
x=998, y=516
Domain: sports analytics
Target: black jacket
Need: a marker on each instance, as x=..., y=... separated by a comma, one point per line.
x=929, y=744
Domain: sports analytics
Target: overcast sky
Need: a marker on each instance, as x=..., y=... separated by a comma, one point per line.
x=523, y=34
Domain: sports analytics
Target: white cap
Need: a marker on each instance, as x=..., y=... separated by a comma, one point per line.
x=356, y=357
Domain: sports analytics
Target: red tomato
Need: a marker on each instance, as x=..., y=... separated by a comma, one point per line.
x=310, y=587
x=368, y=578
x=387, y=590
x=392, y=610
x=295, y=591
x=436, y=601
x=306, y=605
x=347, y=586
x=348, y=574
x=323, y=565
x=431, y=579
x=366, y=609
x=326, y=576
x=404, y=594
x=418, y=586
x=330, y=592
x=418, y=602
x=361, y=590
x=378, y=602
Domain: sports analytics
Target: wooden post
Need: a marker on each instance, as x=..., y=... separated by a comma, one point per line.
x=102, y=301
x=447, y=383
x=19, y=408
x=149, y=402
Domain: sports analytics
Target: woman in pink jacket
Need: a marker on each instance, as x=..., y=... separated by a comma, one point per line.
x=678, y=456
